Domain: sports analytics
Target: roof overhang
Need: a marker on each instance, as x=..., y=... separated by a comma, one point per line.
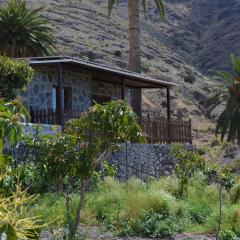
x=102, y=73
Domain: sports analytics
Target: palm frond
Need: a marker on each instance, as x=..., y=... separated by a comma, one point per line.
x=235, y=63
x=226, y=76
x=144, y=8
x=24, y=31
x=160, y=7
x=111, y=4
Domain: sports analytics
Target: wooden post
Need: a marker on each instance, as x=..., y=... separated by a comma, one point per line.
x=60, y=96
x=169, y=116
x=168, y=105
x=123, y=88
x=190, y=130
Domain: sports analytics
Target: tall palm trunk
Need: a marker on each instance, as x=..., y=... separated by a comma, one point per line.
x=135, y=51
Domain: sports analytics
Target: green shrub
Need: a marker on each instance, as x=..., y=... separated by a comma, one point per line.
x=160, y=202
x=227, y=235
x=51, y=208
x=168, y=184
x=108, y=170
x=235, y=193
x=199, y=212
x=14, y=76
x=157, y=225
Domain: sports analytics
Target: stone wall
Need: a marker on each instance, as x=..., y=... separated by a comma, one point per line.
x=143, y=161
x=39, y=92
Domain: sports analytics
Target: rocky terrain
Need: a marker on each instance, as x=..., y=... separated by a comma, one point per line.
x=195, y=37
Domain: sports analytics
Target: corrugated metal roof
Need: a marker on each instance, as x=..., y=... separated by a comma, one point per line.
x=99, y=67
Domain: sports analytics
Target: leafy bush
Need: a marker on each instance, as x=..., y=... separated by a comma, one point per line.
x=14, y=76
x=14, y=222
x=158, y=225
x=108, y=170
x=160, y=202
x=168, y=184
x=227, y=235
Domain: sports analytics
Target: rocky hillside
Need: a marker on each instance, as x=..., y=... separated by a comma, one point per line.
x=195, y=36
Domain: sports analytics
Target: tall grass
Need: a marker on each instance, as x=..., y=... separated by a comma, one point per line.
x=128, y=207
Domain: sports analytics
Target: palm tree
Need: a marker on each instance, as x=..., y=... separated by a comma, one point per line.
x=134, y=60
x=23, y=31
x=229, y=121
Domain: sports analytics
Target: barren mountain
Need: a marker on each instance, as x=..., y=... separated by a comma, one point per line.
x=195, y=37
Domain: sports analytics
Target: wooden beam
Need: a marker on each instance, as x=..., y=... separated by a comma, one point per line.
x=60, y=96
x=123, y=89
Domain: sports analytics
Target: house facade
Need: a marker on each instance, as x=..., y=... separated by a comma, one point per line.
x=79, y=91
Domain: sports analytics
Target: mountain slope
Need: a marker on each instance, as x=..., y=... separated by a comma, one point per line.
x=196, y=36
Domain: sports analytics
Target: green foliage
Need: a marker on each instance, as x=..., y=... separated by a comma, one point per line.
x=71, y=158
x=112, y=122
x=108, y=170
x=227, y=235
x=228, y=122
x=24, y=31
x=159, y=6
x=156, y=225
x=235, y=193
x=133, y=208
x=188, y=162
x=14, y=76
x=14, y=223
x=220, y=175
x=11, y=113
x=55, y=157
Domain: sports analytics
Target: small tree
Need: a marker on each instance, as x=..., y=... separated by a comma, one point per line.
x=224, y=180
x=86, y=143
x=14, y=76
x=188, y=162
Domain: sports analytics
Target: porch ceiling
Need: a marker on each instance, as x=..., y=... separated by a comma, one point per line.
x=103, y=73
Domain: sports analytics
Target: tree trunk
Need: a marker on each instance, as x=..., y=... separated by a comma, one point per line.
x=84, y=184
x=135, y=51
x=220, y=211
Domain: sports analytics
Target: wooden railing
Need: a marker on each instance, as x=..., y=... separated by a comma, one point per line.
x=156, y=130
x=51, y=117
x=162, y=131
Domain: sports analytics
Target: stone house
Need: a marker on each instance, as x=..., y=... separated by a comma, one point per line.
x=64, y=87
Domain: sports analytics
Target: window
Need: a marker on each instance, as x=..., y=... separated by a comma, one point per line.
x=100, y=99
x=66, y=98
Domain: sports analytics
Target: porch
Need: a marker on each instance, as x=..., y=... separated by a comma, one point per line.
x=157, y=130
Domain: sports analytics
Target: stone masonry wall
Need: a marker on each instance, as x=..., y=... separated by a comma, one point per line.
x=39, y=92
x=142, y=161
